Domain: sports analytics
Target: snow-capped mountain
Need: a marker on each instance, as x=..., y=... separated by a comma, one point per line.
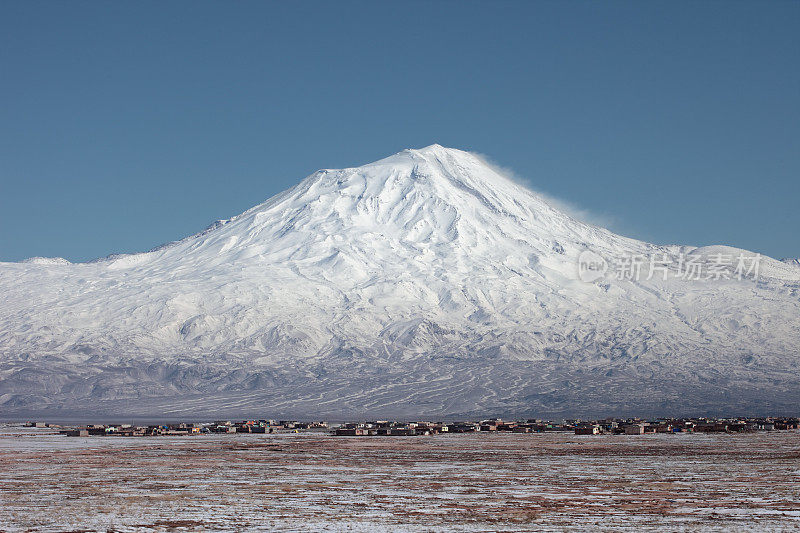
x=426, y=283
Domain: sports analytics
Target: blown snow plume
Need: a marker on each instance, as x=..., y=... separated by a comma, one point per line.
x=424, y=284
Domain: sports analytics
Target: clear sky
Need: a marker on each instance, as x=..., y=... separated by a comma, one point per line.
x=124, y=125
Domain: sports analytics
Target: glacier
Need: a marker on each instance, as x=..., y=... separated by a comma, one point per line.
x=424, y=284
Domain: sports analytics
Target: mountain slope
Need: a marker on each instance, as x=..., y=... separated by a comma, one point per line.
x=424, y=283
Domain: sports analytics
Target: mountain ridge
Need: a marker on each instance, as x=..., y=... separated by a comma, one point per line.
x=423, y=283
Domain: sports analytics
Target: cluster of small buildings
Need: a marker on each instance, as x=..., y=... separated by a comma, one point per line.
x=183, y=428
x=637, y=426
x=387, y=427
x=609, y=426
x=265, y=426
x=632, y=426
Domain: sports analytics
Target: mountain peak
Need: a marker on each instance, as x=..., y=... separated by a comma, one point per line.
x=438, y=149
x=439, y=203
x=431, y=148
x=432, y=205
x=428, y=153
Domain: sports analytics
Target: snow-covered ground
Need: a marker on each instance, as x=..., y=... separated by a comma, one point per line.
x=468, y=482
x=424, y=283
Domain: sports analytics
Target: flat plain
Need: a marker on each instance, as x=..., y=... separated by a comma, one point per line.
x=467, y=482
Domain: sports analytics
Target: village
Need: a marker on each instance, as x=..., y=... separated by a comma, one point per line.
x=631, y=426
x=609, y=426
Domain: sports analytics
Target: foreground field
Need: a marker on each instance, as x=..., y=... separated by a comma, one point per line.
x=508, y=482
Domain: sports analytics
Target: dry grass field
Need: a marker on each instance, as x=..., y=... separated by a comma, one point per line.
x=469, y=482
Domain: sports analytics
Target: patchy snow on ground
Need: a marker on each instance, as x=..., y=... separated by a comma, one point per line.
x=468, y=482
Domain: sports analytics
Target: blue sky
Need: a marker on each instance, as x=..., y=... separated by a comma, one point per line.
x=126, y=125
